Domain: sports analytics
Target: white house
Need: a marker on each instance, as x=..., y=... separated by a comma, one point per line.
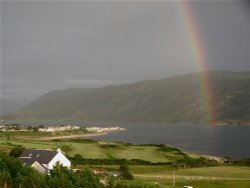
x=44, y=160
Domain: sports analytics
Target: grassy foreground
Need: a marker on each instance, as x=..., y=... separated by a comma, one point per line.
x=160, y=176
x=205, y=177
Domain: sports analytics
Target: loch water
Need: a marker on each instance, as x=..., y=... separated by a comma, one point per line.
x=232, y=141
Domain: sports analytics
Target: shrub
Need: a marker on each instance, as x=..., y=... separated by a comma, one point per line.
x=124, y=171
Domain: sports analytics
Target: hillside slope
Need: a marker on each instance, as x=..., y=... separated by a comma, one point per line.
x=174, y=99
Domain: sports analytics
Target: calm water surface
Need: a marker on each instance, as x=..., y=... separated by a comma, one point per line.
x=233, y=141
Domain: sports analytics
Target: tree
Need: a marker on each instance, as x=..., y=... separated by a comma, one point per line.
x=62, y=177
x=124, y=171
x=87, y=180
x=5, y=179
x=28, y=177
x=35, y=129
x=16, y=151
x=41, y=126
x=14, y=174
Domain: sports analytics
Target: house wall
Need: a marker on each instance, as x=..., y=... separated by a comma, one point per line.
x=46, y=166
x=60, y=157
x=36, y=165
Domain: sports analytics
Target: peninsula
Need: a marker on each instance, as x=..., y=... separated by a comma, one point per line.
x=42, y=132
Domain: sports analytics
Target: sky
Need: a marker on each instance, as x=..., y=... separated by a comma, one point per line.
x=52, y=45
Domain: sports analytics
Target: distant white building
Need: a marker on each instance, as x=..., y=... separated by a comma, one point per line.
x=44, y=160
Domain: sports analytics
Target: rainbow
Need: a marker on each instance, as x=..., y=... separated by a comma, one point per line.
x=199, y=56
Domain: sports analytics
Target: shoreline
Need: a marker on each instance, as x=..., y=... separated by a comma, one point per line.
x=86, y=135
x=219, y=159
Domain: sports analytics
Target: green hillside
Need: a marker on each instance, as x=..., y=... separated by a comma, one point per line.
x=175, y=99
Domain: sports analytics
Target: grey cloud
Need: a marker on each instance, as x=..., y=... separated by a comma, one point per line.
x=56, y=45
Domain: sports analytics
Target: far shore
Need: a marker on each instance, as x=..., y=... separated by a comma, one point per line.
x=87, y=135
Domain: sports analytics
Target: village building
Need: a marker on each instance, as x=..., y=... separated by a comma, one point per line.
x=44, y=160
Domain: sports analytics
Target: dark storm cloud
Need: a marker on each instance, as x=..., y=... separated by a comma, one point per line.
x=57, y=45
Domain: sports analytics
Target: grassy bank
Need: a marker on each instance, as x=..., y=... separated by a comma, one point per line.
x=102, y=150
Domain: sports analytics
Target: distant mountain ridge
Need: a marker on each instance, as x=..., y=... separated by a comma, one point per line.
x=175, y=99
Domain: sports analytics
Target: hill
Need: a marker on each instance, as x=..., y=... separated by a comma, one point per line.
x=175, y=99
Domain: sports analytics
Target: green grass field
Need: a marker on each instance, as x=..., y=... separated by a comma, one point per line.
x=99, y=150
x=206, y=177
x=200, y=177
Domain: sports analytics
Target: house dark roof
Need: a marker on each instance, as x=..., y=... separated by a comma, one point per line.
x=27, y=161
x=42, y=156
